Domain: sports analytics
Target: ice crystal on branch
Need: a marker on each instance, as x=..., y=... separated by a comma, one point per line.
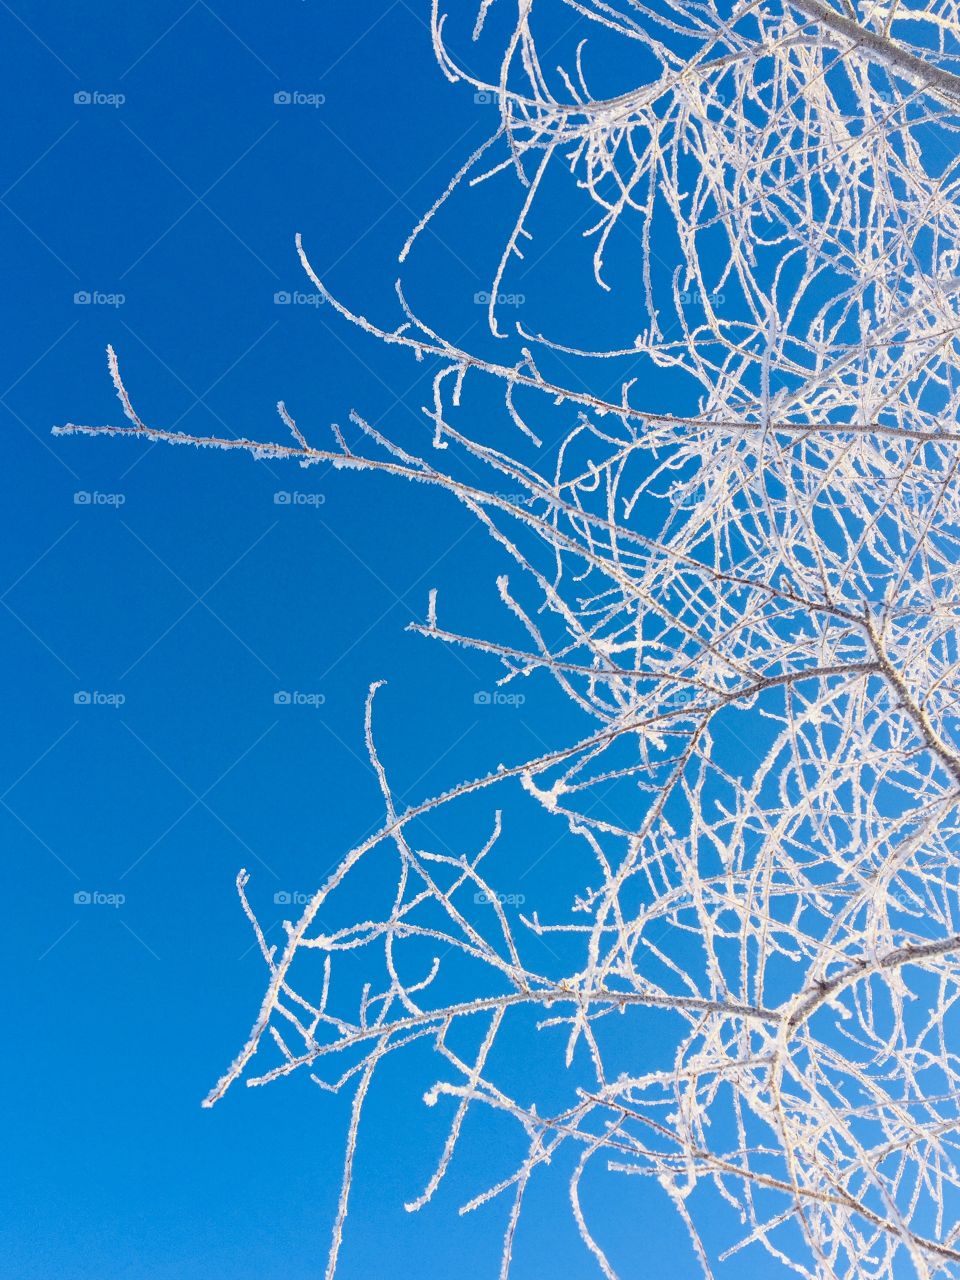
x=791, y=927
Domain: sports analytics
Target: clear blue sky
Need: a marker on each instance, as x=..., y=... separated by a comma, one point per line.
x=196, y=599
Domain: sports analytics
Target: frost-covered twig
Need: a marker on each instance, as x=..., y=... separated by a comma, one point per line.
x=754, y=598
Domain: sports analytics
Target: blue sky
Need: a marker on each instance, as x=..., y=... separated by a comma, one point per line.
x=156, y=600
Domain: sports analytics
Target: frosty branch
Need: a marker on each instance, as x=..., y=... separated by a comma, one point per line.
x=756, y=595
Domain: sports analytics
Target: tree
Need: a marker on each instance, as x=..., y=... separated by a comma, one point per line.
x=792, y=927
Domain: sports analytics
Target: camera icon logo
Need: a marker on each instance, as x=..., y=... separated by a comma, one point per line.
x=81, y=498
x=81, y=698
x=281, y=698
x=282, y=299
x=282, y=898
x=482, y=698
x=82, y=98
x=281, y=98
x=82, y=898
x=281, y=498
x=82, y=298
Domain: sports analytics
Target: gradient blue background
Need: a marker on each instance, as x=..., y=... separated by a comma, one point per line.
x=199, y=598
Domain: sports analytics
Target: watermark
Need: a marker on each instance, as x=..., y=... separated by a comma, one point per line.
x=297, y=298
x=681, y=698
x=914, y=492
x=685, y=498
x=296, y=98
x=485, y=899
x=291, y=898
x=94, y=698
x=95, y=298
x=86, y=498
x=283, y=698
x=95, y=898
x=694, y=298
x=96, y=98
x=486, y=98
x=896, y=896
x=482, y=298
x=484, y=698
x=294, y=498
